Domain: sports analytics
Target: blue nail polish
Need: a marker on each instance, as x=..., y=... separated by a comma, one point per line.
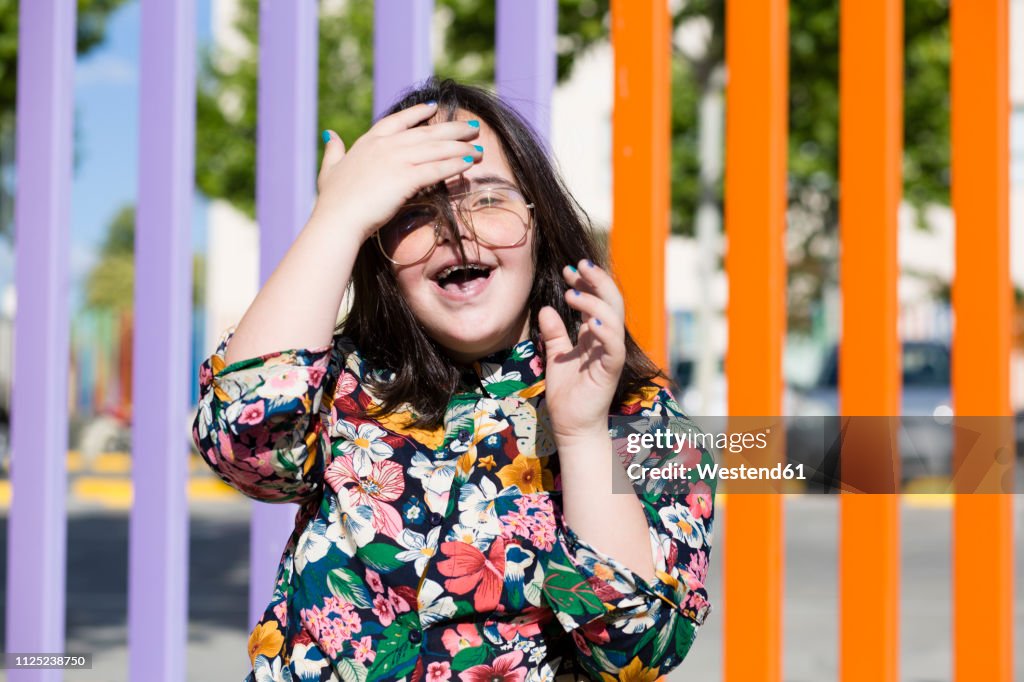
x=326, y=136
x=576, y=292
x=597, y=322
x=467, y=159
x=474, y=123
x=478, y=148
x=432, y=103
x=590, y=263
x=572, y=268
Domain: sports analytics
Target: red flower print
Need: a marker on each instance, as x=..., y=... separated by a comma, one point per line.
x=252, y=413
x=382, y=609
x=314, y=375
x=503, y=669
x=461, y=637
x=439, y=671
x=384, y=483
x=398, y=602
x=699, y=500
x=470, y=570
x=373, y=580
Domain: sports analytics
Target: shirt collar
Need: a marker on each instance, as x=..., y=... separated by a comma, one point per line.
x=516, y=371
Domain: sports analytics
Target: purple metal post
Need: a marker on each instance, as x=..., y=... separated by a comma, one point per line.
x=526, y=62
x=401, y=48
x=158, y=539
x=285, y=191
x=37, y=529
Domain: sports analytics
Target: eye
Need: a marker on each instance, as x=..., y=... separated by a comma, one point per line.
x=412, y=218
x=487, y=199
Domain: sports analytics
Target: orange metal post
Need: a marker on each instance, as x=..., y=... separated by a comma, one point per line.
x=641, y=38
x=871, y=135
x=982, y=524
x=757, y=37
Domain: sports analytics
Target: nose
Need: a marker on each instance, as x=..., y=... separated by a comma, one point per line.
x=462, y=227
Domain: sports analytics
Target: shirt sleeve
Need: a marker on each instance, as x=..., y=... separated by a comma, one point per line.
x=260, y=422
x=646, y=628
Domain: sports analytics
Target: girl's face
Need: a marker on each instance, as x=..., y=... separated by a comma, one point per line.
x=480, y=311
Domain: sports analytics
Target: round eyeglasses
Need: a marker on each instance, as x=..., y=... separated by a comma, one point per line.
x=496, y=216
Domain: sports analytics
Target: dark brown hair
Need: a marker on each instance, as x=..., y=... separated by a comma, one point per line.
x=385, y=330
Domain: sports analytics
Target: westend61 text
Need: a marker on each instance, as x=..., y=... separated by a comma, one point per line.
x=777, y=472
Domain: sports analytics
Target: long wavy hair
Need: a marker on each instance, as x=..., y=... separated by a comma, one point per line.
x=412, y=368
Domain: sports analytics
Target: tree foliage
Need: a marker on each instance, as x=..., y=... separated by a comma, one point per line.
x=91, y=27
x=110, y=284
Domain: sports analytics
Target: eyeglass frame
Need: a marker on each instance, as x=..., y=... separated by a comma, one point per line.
x=457, y=198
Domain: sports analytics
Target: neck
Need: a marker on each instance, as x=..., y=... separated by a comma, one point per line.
x=517, y=334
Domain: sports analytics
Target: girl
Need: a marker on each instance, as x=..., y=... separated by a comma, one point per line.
x=450, y=444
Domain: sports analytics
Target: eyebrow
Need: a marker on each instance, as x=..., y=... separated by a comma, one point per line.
x=482, y=180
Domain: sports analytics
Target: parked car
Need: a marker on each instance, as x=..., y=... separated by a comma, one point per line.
x=925, y=434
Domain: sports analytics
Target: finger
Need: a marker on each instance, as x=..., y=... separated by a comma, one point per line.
x=403, y=120
x=611, y=340
x=446, y=130
x=553, y=333
x=439, y=150
x=334, y=149
x=592, y=278
x=426, y=174
x=593, y=306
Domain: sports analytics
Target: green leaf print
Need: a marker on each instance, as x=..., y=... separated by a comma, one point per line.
x=474, y=655
x=503, y=389
x=664, y=634
x=351, y=670
x=347, y=585
x=396, y=655
x=684, y=635
x=381, y=557
x=569, y=591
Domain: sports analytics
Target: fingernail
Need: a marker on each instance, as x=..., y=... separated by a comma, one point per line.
x=478, y=148
x=590, y=263
x=572, y=268
x=326, y=136
x=467, y=159
x=576, y=292
x=432, y=103
x=474, y=123
x=597, y=322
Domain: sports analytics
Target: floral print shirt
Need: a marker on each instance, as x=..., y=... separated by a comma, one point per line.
x=442, y=554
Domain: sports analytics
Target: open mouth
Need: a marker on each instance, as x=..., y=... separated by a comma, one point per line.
x=464, y=279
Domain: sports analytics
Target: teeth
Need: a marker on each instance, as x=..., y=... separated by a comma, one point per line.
x=455, y=268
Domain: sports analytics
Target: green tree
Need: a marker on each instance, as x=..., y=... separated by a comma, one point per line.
x=109, y=285
x=90, y=30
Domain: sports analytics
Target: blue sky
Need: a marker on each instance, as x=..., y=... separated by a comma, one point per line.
x=107, y=138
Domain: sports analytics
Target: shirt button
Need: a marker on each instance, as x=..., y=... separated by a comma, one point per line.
x=415, y=636
x=435, y=519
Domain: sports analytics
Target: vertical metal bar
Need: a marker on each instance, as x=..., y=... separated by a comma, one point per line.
x=158, y=540
x=37, y=530
x=982, y=523
x=285, y=191
x=757, y=36
x=401, y=48
x=526, y=64
x=641, y=38
x=870, y=159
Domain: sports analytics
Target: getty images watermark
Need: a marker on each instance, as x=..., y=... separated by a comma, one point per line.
x=704, y=468
x=670, y=455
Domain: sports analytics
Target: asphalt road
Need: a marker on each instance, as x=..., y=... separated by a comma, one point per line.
x=97, y=604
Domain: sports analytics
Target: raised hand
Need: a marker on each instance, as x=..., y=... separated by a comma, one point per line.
x=580, y=380
x=364, y=186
